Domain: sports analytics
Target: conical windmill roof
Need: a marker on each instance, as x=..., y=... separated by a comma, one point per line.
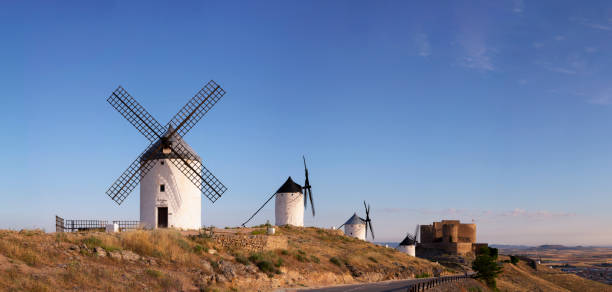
x=153, y=153
x=407, y=241
x=355, y=220
x=290, y=187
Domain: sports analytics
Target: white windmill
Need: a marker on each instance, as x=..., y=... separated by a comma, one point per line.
x=291, y=200
x=408, y=245
x=170, y=173
x=358, y=227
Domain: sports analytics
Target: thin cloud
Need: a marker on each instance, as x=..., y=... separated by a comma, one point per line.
x=476, y=54
x=603, y=98
x=518, y=6
x=423, y=45
x=561, y=70
x=592, y=24
x=491, y=214
x=599, y=26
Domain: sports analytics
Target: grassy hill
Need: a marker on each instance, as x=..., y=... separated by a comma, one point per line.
x=172, y=260
x=522, y=277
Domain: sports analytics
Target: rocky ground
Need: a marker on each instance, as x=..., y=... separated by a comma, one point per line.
x=168, y=260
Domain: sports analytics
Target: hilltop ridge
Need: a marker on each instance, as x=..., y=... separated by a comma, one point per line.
x=197, y=261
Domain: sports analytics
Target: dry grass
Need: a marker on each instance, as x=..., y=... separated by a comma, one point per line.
x=521, y=277
x=35, y=261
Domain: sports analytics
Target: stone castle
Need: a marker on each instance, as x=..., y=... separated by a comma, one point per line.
x=450, y=236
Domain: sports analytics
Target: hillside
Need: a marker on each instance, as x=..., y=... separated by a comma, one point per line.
x=522, y=277
x=173, y=260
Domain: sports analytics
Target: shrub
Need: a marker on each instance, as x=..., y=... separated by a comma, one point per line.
x=183, y=244
x=214, y=264
x=314, y=259
x=153, y=273
x=265, y=266
x=255, y=257
x=197, y=248
x=514, y=259
x=278, y=263
x=258, y=232
x=92, y=241
x=242, y=259
x=486, y=266
x=422, y=275
x=372, y=259
x=336, y=261
x=284, y=252
x=266, y=262
x=301, y=258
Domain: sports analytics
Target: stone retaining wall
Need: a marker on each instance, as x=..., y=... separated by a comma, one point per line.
x=253, y=243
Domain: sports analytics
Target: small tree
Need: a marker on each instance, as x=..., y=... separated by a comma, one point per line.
x=514, y=259
x=486, y=266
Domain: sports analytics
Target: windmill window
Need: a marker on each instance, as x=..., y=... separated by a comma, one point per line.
x=162, y=188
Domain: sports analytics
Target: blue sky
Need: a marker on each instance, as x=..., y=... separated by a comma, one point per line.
x=495, y=111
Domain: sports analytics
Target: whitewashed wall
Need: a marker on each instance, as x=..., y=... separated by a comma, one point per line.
x=181, y=196
x=409, y=249
x=289, y=209
x=355, y=230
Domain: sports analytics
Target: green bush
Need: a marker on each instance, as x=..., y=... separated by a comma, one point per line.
x=314, y=259
x=486, y=266
x=301, y=258
x=336, y=261
x=422, y=275
x=514, y=259
x=242, y=259
x=266, y=262
x=279, y=263
x=372, y=259
x=153, y=273
x=258, y=232
x=92, y=241
x=198, y=248
x=184, y=244
x=284, y=252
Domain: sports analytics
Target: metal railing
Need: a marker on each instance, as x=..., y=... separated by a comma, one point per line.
x=429, y=283
x=69, y=225
x=127, y=224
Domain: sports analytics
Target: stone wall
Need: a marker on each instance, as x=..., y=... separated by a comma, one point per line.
x=453, y=248
x=253, y=243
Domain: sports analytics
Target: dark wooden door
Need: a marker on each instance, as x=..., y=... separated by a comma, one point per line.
x=162, y=217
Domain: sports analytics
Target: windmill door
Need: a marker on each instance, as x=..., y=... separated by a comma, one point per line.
x=162, y=217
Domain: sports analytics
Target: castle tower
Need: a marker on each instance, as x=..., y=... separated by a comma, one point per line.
x=289, y=204
x=167, y=197
x=355, y=227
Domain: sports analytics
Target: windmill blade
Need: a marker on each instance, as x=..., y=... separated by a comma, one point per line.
x=136, y=114
x=195, y=171
x=264, y=204
x=371, y=229
x=416, y=231
x=129, y=179
x=196, y=108
x=307, y=183
x=311, y=202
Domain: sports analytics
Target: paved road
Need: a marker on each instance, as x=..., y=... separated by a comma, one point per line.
x=387, y=286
